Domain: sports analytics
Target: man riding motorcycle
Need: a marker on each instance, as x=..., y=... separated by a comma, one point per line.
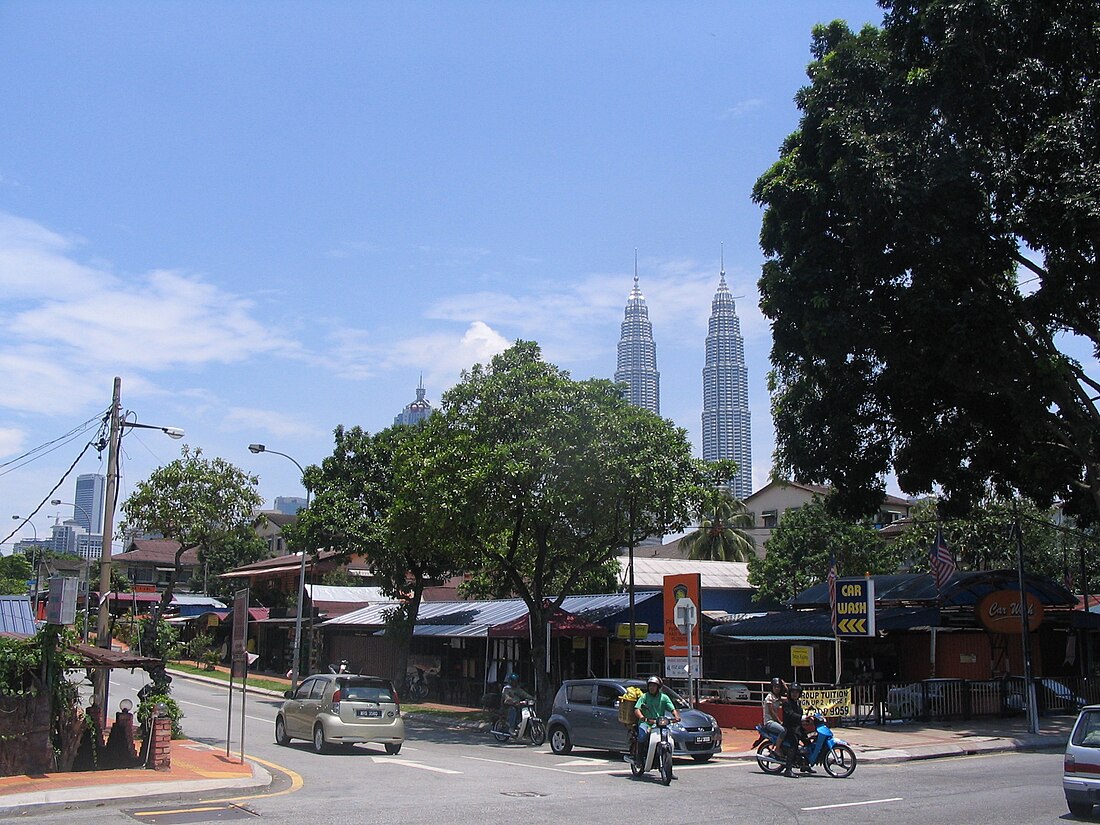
x=511, y=697
x=653, y=704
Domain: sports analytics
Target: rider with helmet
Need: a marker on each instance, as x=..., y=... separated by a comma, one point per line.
x=653, y=704
x=792, y=727
x=511, y=697
x=773, y=709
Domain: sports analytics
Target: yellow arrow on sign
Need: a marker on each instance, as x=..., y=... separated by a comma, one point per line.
x=852, y=626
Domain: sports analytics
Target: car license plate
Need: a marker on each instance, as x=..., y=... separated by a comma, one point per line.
x=370, y=714
x=702, y=740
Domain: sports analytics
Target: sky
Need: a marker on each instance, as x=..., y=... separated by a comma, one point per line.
x=270, y=219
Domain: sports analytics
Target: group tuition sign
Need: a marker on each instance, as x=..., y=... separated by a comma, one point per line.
x=855, y=607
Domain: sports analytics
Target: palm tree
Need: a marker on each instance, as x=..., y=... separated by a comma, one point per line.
x=720, y=535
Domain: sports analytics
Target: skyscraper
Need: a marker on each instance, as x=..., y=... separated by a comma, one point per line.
x=726, y=426
x=416, y=410
x=88, y=512
x=637, y=364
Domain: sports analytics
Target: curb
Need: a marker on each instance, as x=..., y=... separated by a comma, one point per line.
x=209, y=680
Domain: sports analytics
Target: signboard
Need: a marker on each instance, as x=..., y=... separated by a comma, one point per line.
x=240, y=623
x=622, y=630
x=686, y=615
x=855, y=607
x=683, y=586
x=61, y=606
x=676, y=667
x=831, y=701
x=1000, y=612
x=802, y=656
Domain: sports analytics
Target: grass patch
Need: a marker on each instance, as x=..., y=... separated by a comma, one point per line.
x=223, y=676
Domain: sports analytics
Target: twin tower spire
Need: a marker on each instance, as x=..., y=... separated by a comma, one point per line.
x=727, y=430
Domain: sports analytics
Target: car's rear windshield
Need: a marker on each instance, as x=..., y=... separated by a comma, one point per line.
x=1087, y=732
x=366, y=690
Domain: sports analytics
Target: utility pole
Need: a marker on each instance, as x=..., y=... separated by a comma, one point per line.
x=103, y=618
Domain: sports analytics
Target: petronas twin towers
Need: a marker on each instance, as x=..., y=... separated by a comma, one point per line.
x=726, y=423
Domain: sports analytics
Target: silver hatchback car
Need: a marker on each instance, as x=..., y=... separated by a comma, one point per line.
x=586, y=714
x=342, y=709
x=1081, y=766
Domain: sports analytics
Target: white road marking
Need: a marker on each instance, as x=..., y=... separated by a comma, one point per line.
x=561, y=767
x=221, y=710
x=389, y=760
x=854, y=804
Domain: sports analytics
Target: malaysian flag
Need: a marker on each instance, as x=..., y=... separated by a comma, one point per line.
x=941, y=561
x=831, y=579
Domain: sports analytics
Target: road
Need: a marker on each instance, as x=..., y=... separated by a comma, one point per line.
x=458, y=777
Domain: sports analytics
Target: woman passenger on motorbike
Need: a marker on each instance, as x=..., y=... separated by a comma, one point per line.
x=792, y=727
x=654, y=704
x=773, y=710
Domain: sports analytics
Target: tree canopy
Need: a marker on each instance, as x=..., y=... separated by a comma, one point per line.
x=801, y=547
x=723, y=520
x=543, y=479
x=15, y=572
x=195, y=501
x=931, y=233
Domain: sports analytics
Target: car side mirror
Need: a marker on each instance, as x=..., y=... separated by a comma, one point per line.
x=288, y=694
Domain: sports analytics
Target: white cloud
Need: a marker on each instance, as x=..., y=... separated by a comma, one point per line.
x=268, y=421
x=11, y=441
x=742, y=107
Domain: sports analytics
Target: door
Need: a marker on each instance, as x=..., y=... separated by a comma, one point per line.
x=302, y=708
x=578, y=713
x=612, y=734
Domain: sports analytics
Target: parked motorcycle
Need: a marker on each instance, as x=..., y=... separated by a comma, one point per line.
x=824, y=749
x=530, y=726
x=658, y=752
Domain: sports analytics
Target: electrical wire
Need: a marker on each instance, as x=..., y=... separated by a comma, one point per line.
x=45, y=449
x=49, y=495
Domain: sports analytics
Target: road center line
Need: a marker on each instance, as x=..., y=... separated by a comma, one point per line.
x=853, y=804
x=389, y=760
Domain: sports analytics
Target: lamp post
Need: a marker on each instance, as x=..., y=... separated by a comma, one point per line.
x=87, y=561
x=118, y=424
x=260, y=448
x=37, y=560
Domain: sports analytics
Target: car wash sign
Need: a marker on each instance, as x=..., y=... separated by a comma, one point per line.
x=855, y=607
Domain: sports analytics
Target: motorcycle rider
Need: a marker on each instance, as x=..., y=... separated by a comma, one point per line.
x=793, y=733
x=653, y=704
x=773, y=709
x=511, y=697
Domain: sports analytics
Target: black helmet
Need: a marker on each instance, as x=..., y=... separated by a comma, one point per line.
x=793, y=687
x=777, y=684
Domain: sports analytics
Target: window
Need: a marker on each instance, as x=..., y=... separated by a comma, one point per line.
x=580, y=694
x=1087, y=733
x=769, y=518
x=607, y=696
x=304, y=689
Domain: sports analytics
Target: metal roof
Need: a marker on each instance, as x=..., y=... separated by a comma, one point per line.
x=714, y=575
x=361, y=595
x=16, y=616
x=474, y=618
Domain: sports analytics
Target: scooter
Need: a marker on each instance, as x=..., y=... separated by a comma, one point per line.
x=657, y=754
x=824, y=749
x=530, y=726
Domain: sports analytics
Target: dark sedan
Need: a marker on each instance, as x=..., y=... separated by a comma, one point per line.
x=586, y=715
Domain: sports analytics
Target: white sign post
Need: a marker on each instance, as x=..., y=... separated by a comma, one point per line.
x=686, y=619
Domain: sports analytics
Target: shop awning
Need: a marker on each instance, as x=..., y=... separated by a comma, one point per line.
x=562, y=623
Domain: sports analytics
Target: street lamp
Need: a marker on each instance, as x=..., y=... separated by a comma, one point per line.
x=37, y=560
x=260, y=448
x=118, y=424
x=87, y=560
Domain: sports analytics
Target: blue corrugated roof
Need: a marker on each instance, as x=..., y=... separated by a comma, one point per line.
x=16, y=616
x=474, y=618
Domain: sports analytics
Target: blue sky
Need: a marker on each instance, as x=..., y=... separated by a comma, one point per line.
x=270, y=218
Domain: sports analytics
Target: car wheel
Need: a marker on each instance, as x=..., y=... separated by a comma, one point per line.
x=1080, y=809
x=319, y=743
x=280, y=732
x=702, y=757
x=559, y=740
x=393, y=748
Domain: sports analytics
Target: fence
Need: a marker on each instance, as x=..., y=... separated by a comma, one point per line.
x=931, y=699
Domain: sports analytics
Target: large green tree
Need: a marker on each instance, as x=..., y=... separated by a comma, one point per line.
x=544, y=479
x=15, y=572
x=195, y=501
x=931, y=236
x=807, y=538
x=368, y=499
x=723, y=520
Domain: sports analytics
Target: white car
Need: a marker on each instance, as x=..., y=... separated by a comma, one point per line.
x=1081, y=766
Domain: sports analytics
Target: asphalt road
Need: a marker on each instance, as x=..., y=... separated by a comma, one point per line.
x=458, y=777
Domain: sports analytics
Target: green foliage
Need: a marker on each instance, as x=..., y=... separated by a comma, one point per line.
x=931, y=235
x=226, y=551
x=798, y=552
x=157, y=639
x=195, y=501
x=723, y=520
x=147, y=711
x=341, y=578
x=15, y=572
x=199, y=645
x=541, y=479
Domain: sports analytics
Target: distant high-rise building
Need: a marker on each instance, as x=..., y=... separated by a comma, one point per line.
x=727, y=429
x=637, y=363
x=416, y=410
x=289, y=505
x=88, y=512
